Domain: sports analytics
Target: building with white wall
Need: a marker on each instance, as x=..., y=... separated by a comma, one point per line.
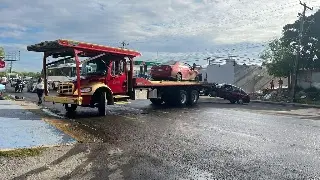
x=219, y=73
x=249, y=77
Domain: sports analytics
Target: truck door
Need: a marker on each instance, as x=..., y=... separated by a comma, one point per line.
x=118, y=79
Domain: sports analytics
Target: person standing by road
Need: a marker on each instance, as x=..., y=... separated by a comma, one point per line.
x=40, y=90
x=280, y=83
x=272, y=84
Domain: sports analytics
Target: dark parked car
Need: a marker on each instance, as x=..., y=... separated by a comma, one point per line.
x=232, y=93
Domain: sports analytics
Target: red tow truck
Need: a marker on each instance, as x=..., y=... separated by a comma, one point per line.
x=106, y=78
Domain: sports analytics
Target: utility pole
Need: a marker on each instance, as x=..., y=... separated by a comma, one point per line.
x=124, y=44
x=296, y=63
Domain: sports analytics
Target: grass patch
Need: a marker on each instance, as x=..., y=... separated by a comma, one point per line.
x=7, y=97
x=23, y=152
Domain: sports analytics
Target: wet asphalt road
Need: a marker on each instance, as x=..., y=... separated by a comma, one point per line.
x=212, y=140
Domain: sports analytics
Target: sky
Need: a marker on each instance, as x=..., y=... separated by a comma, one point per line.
x=186, y=30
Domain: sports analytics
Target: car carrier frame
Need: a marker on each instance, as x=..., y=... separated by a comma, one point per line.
x=116, y=83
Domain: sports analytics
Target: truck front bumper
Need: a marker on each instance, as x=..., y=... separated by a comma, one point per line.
x=63, y=99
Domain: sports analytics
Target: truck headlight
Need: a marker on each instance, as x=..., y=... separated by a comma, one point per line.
x=86, y=89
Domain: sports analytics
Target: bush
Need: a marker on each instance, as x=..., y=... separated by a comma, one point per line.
x=313, y=93
x=298, y=88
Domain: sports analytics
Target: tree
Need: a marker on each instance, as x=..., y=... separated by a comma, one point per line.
x=2, y=53
x=280, y=53
x=278, y=59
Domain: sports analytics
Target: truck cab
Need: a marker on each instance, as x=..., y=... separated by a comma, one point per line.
x=102, y=75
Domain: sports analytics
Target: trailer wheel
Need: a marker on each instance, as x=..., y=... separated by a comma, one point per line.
x=156, y=102
x=181, y=98
x=70, y=109
x=193, y=97
x=102, y=104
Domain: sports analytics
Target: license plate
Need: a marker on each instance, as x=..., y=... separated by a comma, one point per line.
x=159, y=69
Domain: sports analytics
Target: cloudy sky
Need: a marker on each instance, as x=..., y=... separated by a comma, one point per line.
x=165, y=29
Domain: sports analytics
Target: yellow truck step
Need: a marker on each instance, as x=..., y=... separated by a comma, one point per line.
x=122, y=102
x=120, y=96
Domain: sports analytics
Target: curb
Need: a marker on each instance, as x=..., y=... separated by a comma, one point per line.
x=286, y=104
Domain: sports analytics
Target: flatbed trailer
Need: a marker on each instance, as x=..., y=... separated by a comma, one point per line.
x=178, y=93
x=110, y=79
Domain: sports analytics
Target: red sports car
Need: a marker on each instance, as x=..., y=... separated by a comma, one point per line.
x=174, y=70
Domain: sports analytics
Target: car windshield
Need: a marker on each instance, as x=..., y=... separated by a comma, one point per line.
x=94, y=67
x=169, y=63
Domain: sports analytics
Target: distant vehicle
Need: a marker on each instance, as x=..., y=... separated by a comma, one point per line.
x=19, y=86
x=61, y=73
x=232, y=93
x=174, y=70
x=31, y=85
x=13, y=82
x=3, y=80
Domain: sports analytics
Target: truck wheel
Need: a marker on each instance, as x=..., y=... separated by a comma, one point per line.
x=193, y=97
x=181, y=98
x=70, y=109
x=156, y=102
x=102, y=104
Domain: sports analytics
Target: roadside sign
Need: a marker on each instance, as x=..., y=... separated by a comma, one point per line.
x=2, y=64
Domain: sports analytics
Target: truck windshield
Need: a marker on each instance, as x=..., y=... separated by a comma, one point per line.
x=94, y=67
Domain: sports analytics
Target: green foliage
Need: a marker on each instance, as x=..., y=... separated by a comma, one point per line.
x=2, y=53
x=313, y=93
x=278, y=59
x=23, y=74
x=280, y=53
x=23, y=152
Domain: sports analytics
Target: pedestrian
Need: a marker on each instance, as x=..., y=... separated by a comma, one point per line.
x=40, y=90
x=280, y=83
x=272, y=84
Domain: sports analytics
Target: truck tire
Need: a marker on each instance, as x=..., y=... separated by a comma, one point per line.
x=102, y=104
x=156, y=102
x=193, y=97
x=181, y=98
x=70, y=109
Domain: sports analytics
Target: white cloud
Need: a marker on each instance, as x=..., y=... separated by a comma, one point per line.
x=167, y=26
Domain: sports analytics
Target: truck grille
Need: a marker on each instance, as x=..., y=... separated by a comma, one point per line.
x=65, y=88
